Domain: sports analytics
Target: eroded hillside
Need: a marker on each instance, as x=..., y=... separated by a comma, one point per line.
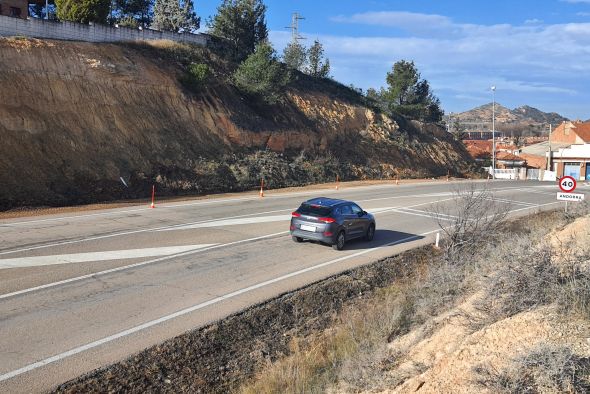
x=77, y=117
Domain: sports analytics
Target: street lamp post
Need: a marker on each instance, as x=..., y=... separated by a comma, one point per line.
x=493, y=132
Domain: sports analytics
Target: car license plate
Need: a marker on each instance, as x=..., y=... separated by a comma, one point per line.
x=307, y=228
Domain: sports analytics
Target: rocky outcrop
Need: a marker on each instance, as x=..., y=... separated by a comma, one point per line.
x=76, y=117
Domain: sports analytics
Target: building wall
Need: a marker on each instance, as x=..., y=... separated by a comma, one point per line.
x=6, y=5
x=565, y=132
x=39, y=28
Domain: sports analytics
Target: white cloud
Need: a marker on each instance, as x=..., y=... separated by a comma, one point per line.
x=532, y=61
x=409, y=21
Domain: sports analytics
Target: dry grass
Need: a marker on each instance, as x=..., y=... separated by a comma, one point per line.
x=546, y=369
x=516, y=273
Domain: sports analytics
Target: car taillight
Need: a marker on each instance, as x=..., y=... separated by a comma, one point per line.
x=327, y=220
x=295, y=214
x=328, y=233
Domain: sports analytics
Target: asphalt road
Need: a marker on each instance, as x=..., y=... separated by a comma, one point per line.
x=82, y=290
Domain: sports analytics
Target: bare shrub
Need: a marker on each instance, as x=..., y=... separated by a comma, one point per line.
x=545, y=369
x=573, y=291
x=521, y=277
x=576, y=210
x=473, y=218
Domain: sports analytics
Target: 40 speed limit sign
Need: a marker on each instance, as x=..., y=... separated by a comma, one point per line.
x=567, y=184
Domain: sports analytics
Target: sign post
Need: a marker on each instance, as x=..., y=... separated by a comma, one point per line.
x=567, y=184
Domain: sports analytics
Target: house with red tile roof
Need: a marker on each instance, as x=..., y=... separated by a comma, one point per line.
x=572, y=132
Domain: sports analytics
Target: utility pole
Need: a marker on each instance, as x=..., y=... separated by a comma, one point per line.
x=494, y=132
x=295, y=18
x=549, y=153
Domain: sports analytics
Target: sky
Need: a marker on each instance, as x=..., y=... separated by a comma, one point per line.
x=535, y=52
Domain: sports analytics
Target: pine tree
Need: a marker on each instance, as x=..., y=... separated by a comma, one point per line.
x=171, y=15
x=139, y=11
x=242, y=23
x=83, y=11
x=295, y=55
x=411, y=96
x=261, y=74
x=317, y=66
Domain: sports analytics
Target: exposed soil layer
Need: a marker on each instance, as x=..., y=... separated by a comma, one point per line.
x=84, y=123
x=219, y=357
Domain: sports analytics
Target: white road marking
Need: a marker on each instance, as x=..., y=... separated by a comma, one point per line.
x=36, y=261
x=93, y=238
x=193, y=308
x=49, y=285
x=232, y=222
x=97, y=237
x=225, y=200
x=125, y=267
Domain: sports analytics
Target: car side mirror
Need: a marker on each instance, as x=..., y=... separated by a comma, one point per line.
x=361, y=213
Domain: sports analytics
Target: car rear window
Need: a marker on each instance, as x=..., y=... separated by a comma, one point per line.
x=314, y=210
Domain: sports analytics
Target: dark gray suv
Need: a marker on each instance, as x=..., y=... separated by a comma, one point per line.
x=331, y=221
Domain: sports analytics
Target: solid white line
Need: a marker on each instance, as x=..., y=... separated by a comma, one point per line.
x=62, y=282
x=191, y=309
x=36, y=261
x=226, y=200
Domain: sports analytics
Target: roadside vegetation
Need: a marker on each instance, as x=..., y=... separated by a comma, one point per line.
x=488, y=276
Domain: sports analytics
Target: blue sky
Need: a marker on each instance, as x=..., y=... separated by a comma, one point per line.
x=536, y=52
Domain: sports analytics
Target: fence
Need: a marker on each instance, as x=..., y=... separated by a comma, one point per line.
x=523, y=173
x=39, y=28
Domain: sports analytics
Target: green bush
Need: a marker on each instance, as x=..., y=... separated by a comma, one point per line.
x=196, y=76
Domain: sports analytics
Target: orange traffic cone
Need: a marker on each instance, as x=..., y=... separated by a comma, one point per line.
x=337, y=182
x=262, y=188
x=153, y=196
x=397, y=180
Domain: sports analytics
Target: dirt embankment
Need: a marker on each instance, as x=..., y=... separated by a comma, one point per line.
x=75, y=118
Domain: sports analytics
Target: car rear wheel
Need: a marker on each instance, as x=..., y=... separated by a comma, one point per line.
x=297, y=239
x=340, y=240
x=370, y=234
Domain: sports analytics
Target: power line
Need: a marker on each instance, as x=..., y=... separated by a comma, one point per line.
x=295, y=18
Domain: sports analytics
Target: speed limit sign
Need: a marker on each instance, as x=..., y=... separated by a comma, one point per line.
x=567, y=184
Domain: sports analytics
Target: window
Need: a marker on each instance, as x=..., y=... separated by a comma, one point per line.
x=15, y=12
x=314, y=210
x=346, y=210
x=356, y=209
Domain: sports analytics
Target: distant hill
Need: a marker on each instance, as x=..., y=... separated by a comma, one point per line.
x=521, y=116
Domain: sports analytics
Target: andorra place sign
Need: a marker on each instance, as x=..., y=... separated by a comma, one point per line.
x=570, y=196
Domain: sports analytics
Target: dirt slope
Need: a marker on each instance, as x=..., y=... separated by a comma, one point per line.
x=75, y=117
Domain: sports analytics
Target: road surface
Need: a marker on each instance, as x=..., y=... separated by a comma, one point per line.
x=83, y=290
